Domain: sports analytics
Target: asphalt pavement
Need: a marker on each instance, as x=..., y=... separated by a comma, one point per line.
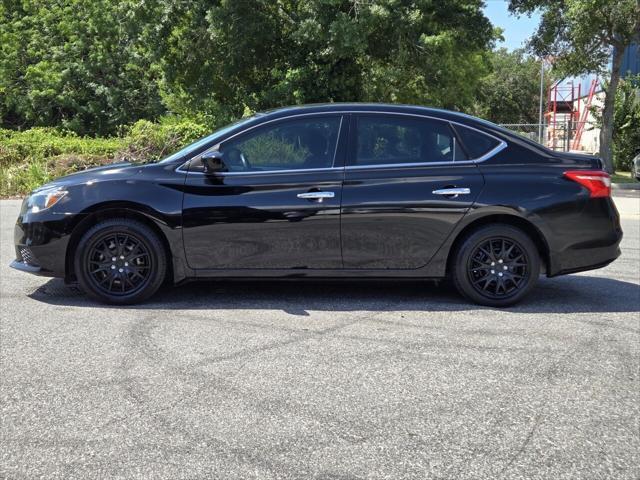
x=248, y=380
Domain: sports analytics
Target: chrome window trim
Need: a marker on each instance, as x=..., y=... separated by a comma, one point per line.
x=498, y=148
x=265, y=172
x=501, y=146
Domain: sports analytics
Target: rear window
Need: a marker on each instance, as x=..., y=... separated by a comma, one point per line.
x=476, y=143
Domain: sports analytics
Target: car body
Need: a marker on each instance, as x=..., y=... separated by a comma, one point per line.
x=334, y=190
x=635, y=167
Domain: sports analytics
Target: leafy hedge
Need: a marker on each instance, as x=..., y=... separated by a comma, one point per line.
x=36, y=156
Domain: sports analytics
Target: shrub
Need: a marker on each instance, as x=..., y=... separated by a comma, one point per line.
x=150, y=141
x=38, y=155
x=40, y=143
x=17, y=179
x=32, y=157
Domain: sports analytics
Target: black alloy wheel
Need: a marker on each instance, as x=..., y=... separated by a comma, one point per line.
x=120, y=261
x=496, y=265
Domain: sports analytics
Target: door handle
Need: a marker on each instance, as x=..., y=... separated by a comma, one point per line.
x=454, y=192
x=316, y=195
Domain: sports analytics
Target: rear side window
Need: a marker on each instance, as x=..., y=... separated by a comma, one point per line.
x=475, y=143
x=389, y=139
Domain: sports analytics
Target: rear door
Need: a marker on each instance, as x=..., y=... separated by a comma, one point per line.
x=408, y=182
x=277, y=206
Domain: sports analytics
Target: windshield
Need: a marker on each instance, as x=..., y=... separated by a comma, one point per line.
x=186, y=151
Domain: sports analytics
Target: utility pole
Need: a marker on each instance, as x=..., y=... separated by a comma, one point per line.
x=540, y=117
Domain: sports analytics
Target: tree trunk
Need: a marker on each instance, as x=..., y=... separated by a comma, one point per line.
x=606, y=132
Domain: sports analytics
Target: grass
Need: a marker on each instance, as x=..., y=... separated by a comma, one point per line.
x=623, y=177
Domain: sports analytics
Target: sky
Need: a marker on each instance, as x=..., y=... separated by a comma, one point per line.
x=516, y=29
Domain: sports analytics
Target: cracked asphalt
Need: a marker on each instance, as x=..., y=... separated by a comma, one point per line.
x=322, y=380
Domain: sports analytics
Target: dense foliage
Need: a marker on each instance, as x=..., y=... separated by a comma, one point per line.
x=92, y=65
x=79, y=64
x=626, y=123
x=511, y=92
x=257, y=54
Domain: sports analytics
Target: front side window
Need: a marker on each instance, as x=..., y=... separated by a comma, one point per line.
x=292, y=144
x=388, y=139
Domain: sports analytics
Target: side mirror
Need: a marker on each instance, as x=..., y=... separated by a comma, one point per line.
x=213, y=162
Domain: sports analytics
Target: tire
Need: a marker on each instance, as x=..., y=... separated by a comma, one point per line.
x=120, y=261
x=496, y=265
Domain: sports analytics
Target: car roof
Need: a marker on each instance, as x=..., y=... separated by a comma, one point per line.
x=367, y=107
x=441, y=113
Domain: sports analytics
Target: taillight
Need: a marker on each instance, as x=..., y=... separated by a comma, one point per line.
x=598, y=183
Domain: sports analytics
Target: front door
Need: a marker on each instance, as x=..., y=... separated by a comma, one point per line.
x=277, y=206
x=407, y=184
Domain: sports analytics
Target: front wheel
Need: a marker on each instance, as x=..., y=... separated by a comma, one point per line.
x=120, y=261
x=496, y=265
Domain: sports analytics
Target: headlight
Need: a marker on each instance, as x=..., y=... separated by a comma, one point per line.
x=45, y=198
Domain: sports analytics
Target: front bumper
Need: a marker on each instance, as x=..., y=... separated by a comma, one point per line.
x=25, y=267
x=41, y=243
x=27, y=261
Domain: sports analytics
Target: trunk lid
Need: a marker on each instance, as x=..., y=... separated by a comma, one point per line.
x=577, y=160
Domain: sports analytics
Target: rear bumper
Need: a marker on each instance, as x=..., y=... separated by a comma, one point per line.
x=589, y=241
x=597, y=258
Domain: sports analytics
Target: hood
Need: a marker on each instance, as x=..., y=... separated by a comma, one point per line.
x=114, y=171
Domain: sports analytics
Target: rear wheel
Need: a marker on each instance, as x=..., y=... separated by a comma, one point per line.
x=120, y=261
x=496, y=265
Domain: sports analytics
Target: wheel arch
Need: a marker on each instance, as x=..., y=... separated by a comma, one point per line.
x=506, y=219
x=101, y=212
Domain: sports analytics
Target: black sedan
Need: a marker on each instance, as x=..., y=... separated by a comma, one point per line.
x=337, y=190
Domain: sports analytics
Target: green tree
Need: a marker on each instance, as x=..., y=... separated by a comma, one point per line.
x=511, y=92
x=583, y=36
x=92, y=65
x=77, y=63
x=626, y=122
x=227, y=57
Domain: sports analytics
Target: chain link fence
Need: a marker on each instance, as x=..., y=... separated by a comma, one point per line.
x=562, y=136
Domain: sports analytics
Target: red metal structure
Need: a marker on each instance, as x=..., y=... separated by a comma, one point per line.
x=584, y=115
x=566, y=115
x=561, y=111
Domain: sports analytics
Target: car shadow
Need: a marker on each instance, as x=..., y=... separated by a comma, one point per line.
x=568, y=294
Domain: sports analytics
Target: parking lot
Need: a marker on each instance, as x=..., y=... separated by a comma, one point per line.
x=240, y=380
